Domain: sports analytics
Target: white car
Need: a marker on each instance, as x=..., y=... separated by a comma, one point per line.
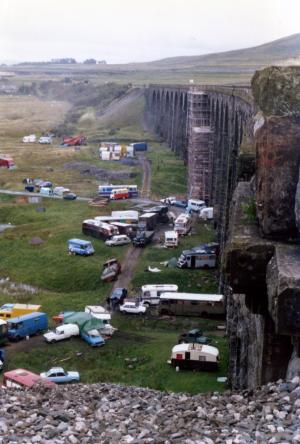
x=168, y=200
x=59, y=375
x=118, y=239
x=132, y=307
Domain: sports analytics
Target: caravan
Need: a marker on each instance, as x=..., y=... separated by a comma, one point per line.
x=150, y=294
x=195, y=357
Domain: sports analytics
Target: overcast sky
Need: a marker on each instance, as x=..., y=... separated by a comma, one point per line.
x=139, y=30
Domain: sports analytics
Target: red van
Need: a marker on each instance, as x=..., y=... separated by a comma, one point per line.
x=122, y=193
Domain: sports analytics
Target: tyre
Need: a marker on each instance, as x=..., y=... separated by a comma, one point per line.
x=53, y=341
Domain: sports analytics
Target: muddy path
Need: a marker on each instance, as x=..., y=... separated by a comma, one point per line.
x=146, y=182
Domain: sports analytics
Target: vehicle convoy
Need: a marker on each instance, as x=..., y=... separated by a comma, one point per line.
x=62, y=332
x=193, y=336
x=120, y=239
x=26, y=325
x=8, y=311
x=150, y=294
x=110, y=270
x=80, y=247
x=195, y=357
x=133, y=308
x=143, y=238
x=21, y=378
x=59, y=375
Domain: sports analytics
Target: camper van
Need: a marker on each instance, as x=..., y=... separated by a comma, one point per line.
x=8, y=311
x=171, y=239
x=195, y=205
x=183, y=224
x=191, y=304
x=206, y=213
x=195, y=357
x=121, y=193
x=197, y=258
x=150, y=294
x=27, y=325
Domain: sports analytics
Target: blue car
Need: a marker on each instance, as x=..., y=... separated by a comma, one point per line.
x=180, y=203
x=93, y=338
x=59, y=375
x=81, y=247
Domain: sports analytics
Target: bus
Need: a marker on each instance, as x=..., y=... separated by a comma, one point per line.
x=21, y=378
x=191, y=304
x=106, y=190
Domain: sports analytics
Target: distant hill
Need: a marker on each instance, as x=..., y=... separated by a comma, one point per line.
x=268, y=53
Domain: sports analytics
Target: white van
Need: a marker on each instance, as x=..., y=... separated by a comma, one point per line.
x=150, y=294
x=195, y=205
x=65, y=331
x=171, y=239
x=60, y=191
x=46, y=191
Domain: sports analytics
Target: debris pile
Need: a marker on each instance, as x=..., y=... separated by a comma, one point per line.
x=107, y=413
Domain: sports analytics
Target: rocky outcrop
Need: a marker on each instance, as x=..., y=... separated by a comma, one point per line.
x=115, y=414
x=277, y=93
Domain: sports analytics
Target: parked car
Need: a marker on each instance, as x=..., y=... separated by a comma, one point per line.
x=110, y=271
x=193, y=336
x=61, y=315
x=59, y=375
x=117, y=297
x=180, y=203
x=65, y=331
x=133, y=308
x=70, y=196
x=168, y=200
x=93, y=338
x=120, y=239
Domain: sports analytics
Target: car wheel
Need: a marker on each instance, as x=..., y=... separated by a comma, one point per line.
x=181, y=341
x=52, y=341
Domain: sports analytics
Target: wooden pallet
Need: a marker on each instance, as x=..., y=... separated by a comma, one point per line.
x=98, y=202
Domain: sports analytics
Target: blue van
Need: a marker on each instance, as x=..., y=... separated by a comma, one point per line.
x=81, y=247
x=27, y=325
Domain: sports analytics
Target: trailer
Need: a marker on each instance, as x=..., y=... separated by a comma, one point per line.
x=206, y=213
x=99, y=230
x=183, y=224
x=161, y=211
x=195, y=357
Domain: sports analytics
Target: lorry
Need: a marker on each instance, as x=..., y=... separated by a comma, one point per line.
x=161, y=211
x=26, y=325
x=61, y=332
x=80, y=247
x=98, y=229
x=197, y=257
x=8, y=311
x=7, y=162
x=148, y=221
x=143, y=238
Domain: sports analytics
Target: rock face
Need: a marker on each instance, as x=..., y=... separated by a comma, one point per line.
x=115, y=414
x=277, y=93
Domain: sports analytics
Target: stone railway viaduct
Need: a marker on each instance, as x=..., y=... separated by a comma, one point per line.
x=241, y=147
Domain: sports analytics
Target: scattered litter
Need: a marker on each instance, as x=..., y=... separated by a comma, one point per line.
x=154, y=270
x=222, y=379
x=36, y=241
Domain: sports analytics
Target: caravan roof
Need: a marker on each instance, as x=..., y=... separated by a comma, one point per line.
x=205, y=349
x=192, y=297
x=169, y=287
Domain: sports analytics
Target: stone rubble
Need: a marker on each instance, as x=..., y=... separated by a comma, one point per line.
x=115, y=414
